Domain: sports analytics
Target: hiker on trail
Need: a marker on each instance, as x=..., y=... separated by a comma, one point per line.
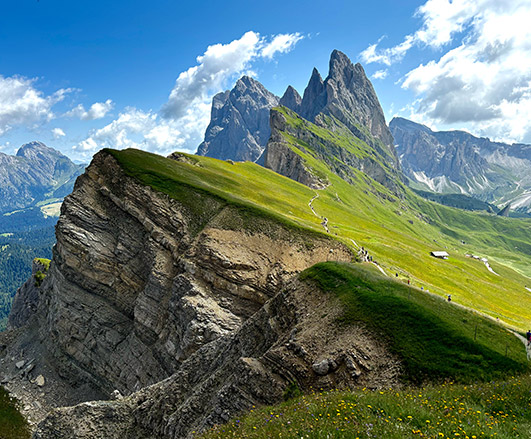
x=408, y=281
x=449, y=297
x=528, y=337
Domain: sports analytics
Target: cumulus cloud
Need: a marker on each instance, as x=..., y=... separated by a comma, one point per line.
x=58, y=133
x=98, y=110
x=281, y=43
x=23, y=104
x=184, y=117
x=441, y=21
x=219, y=63
x=482, y=79
x=135, y=128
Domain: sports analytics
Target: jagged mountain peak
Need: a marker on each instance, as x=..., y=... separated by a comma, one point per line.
x=348, y=95
x=239, y=125
x=291, y=99
x=29, y=149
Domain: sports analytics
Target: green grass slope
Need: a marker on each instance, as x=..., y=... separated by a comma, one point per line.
x=399, y=232
x=433, y=338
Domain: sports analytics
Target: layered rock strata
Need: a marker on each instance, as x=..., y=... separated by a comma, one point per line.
x=190, y=308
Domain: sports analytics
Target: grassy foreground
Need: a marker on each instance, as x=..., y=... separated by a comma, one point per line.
x=500, y=409
x=435, y=340
x=12, y=423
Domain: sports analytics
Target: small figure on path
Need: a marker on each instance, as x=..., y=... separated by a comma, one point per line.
x=528, y=337
x=449, y=297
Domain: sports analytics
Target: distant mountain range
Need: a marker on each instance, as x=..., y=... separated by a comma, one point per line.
x=37, y=175
x=458, y=162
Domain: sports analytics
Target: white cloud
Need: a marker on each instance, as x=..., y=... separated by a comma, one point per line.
x=380, y=74
x=281, y=43
x=136, y=129
x=183, y=119
x=387, y=56
x=218, y=64
x=482, y=79
x=58, y=133
x=22, y=104
x=98, y=110
x=485, y=82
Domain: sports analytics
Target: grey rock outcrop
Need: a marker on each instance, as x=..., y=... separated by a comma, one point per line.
x=239, y=125
x=291, y=99
x=458, y=162
x=252, y=366
x=143, y=287
x=27, y=299
x=314, y=98
x=36, y=172
x=298, y=134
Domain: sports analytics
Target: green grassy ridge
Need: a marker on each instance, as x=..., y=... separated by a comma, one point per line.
x=253, y=190
x=399, y=233
x=12, y=423
x=498, y=409
x=434, y=339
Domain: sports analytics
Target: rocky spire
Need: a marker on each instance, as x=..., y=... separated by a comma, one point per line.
x=348, y=95
x=239, y=125
x=314, y=98
x=291, y=99
x=351, y=98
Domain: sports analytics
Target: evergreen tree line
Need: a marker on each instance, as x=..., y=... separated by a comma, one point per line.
x=17, y=252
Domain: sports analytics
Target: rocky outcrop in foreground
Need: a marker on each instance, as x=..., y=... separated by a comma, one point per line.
x=190, y=309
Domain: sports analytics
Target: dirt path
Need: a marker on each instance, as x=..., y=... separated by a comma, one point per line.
x=324, y=220
x=324, y=223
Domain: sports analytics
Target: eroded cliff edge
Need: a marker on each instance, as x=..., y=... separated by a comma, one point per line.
x=147, y=289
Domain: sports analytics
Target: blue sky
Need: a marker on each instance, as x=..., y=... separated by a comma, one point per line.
x=80, y=75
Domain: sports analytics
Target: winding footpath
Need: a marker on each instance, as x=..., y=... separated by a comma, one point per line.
x=324, y=220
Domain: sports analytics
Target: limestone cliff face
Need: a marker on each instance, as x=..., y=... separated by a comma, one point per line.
x=279, y=157
x=293, y=338
x=27, y=298
x=139, y=282
x=348, y=95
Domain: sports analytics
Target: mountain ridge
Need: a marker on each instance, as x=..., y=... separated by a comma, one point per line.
x=459, y=162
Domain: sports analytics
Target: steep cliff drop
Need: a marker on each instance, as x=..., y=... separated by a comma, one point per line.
x=190, y=305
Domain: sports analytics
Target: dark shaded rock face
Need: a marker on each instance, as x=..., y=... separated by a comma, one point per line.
x=35, y=173
x=239, y=125
x=314, y=98
x=458, y=162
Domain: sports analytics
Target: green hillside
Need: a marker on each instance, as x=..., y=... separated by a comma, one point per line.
x=399, y=232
